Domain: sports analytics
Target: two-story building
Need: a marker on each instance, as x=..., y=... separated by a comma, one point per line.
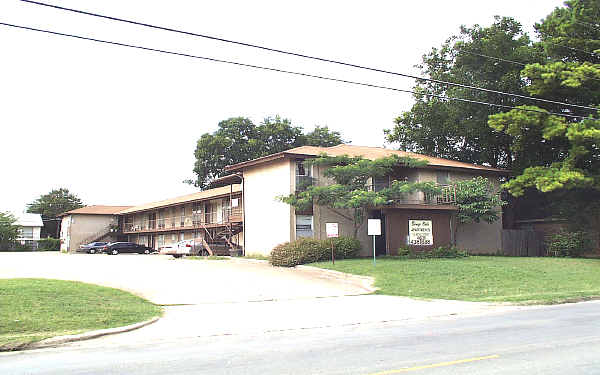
x=269, y=222
x=215, y=216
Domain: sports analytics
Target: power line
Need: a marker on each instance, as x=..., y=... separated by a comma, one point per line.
x=286, y=71
x=509, y=61
x=163, y=28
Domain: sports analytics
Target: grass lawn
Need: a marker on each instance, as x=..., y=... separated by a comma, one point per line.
x=485, y=279
x=35, y=309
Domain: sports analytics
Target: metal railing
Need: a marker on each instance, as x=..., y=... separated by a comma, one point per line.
x=185, y=221
x=446, y=196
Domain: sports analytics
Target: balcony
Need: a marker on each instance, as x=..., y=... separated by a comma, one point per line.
x=447, y=196
x=199, y=220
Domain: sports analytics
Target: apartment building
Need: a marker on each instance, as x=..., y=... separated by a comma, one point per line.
x=269, y=222
x=215, y=216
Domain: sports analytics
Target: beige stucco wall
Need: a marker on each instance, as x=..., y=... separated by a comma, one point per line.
x=268, y=222
x=79, y=227
x=323, y=215
x=481, y=237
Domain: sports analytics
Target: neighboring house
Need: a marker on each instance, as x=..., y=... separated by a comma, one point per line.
x=215, y=216
x=269, y=222
x=88, y=224
x=31, y=226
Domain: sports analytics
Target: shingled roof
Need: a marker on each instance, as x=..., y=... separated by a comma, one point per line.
x=366, y=152
x=96, y=210
x=201, y=195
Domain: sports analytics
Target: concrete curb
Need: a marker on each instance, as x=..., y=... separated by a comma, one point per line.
x=245, y=260
x=365, y=282
x=53, y=341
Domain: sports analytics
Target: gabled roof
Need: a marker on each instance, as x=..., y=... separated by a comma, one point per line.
x=201, y=195
x=96, y=210
x=29, y=220
x=366, y=152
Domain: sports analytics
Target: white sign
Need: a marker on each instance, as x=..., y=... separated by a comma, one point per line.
x=420, y=232
x=234, y=202
x=332, y=230
x=374, y=227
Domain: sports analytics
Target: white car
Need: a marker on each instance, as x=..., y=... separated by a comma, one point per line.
x=181, y=248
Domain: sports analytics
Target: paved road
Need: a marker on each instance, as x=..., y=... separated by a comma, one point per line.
x=550, y=340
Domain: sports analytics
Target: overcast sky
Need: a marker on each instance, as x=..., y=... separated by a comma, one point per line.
x=118, y=126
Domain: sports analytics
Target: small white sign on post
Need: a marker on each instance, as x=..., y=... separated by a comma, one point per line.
x=374, y=229
x=332, y=230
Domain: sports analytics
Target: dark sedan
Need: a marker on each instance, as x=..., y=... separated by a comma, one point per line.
x=115, y=248
x=93, y=247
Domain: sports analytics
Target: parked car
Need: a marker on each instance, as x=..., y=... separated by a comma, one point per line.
x=186, y=247
x=92, y=247
x=115, y=248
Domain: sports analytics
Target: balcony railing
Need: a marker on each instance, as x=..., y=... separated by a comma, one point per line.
x=187, y=221
x=446, y=196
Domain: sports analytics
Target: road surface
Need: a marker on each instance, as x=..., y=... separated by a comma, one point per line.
x=561, y=340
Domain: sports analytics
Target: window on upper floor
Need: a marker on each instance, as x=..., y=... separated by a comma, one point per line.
x=380, y=183
x=442, y=177
x=302, y=170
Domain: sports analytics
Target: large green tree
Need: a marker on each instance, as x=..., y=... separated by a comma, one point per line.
x=570, y=73
x=51, y=205
x=9, y=230
x=238, y=139
x=459, y=130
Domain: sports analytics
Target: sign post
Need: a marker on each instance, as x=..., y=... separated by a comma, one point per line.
x=374, y=229
x=332, y=232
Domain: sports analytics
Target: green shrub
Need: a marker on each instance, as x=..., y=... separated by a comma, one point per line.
x=568, y=244
x=308, y=250
x=22, y=246
x=345, y=247
x=438, y=252
x=49, y=244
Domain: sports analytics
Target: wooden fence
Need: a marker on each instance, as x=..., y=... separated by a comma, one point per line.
x=523, y=243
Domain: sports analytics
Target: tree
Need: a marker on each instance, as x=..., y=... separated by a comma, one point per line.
x=53, y=204
x=571, y=175
x=477, y=201
x=9, y=230
x=238, y=139
x=459, y=130
x=350, y=196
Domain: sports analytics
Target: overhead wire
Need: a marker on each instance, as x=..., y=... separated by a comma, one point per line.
x=296, y=54
x=287, y=71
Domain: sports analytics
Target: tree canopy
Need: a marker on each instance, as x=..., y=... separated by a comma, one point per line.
x=554, y=158
x=9, y=230
x=238, y=139
x=51, y=205
x=459, y=130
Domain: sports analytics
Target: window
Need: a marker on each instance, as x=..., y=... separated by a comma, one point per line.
x=442, y=177
x=27, y=232
x=304, y=226
x=380, y=183
x=301, y=169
